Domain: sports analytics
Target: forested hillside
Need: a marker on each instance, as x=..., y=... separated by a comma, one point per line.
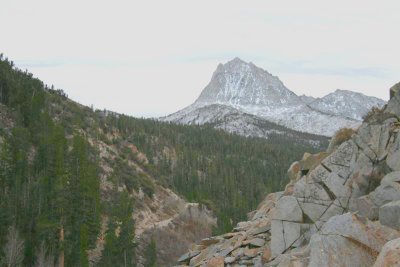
x=58, y=184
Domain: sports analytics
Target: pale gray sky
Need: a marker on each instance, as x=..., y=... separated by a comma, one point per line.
x=151, y=58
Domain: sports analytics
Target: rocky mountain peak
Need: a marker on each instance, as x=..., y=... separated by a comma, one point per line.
x=252, y=90
x=238, y=83
x=347, y=104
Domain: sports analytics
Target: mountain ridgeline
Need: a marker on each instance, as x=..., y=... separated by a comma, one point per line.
x=242, y=96
x=83, y=187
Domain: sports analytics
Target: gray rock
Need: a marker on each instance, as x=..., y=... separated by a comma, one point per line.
x=257, y=262
x=362, y=170
x=393, y=158
x=384, y=194
x=365, y=149
x=310, y=190
x=395, y=90
x=365, y=207
x=394, y=102
x=257, y=242
x=261, y=230
x=333, y=210
x=337, y=251
x=313, y=211
x=288, y=209
x=348, y=240
x=186, y=257
x=339, y=161
x=392, y=179
x=284, y=235
x=229, y=260
x=389, y=215
x=390, y=254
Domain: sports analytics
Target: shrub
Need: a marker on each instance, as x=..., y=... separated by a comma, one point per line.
x=340, y=137
x=372, y=113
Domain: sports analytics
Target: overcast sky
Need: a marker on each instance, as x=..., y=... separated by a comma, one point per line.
x=151, y=58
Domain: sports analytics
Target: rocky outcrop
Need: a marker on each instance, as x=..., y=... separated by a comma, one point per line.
x=339, y=209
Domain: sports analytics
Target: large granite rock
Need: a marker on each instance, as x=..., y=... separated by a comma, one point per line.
x=389, y=215
x=390, y=254
x=348, y=240
x=388, y=191
x=394, y=103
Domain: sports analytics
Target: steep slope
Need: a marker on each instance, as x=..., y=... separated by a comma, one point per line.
x=252, y=90
x=70, y=184
x=341, y=207
x=346, y=104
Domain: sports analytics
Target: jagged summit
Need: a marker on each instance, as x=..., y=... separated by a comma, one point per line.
x=238, y=83
x=253, y=90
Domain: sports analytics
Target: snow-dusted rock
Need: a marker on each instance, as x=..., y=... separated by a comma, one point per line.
x=243, y=89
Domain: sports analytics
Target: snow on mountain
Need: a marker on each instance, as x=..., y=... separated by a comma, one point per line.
x=307, y=99
x=238, y=83
x=234, y=121
x=248, y=89
x=346, y=104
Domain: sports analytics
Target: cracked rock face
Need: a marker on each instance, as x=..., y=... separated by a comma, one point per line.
x=339, y=209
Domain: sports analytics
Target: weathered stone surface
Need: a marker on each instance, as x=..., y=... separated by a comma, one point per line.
x=333, y=210
x=365, y=207
x=393, y=158
x=186, y=257
x=257, y=242
x=347, y=240
x=390, y=254
x=394, y=103
x=251, y=252
x=392, y=179
x=257, y=262
x=312, y=211
x=384, y=194
x=363, y=170
x=395, y=90
x=204, y=255
x=284, y=235
x=388, y=191
x=209, y=241
x=310, y=161
x=216, y=262
x=389, y=215
x=288, y=209
x=310, y=190
x=266, y=255
x=260, y=230
x=339, y=161
x=229, y=260
x=294, y=171
x=337, y=251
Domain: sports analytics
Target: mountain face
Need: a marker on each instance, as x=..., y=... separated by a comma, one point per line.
x=252, y=90
x=237, y=122
x=238, y=83
x=340, y=208
x=346, y=104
